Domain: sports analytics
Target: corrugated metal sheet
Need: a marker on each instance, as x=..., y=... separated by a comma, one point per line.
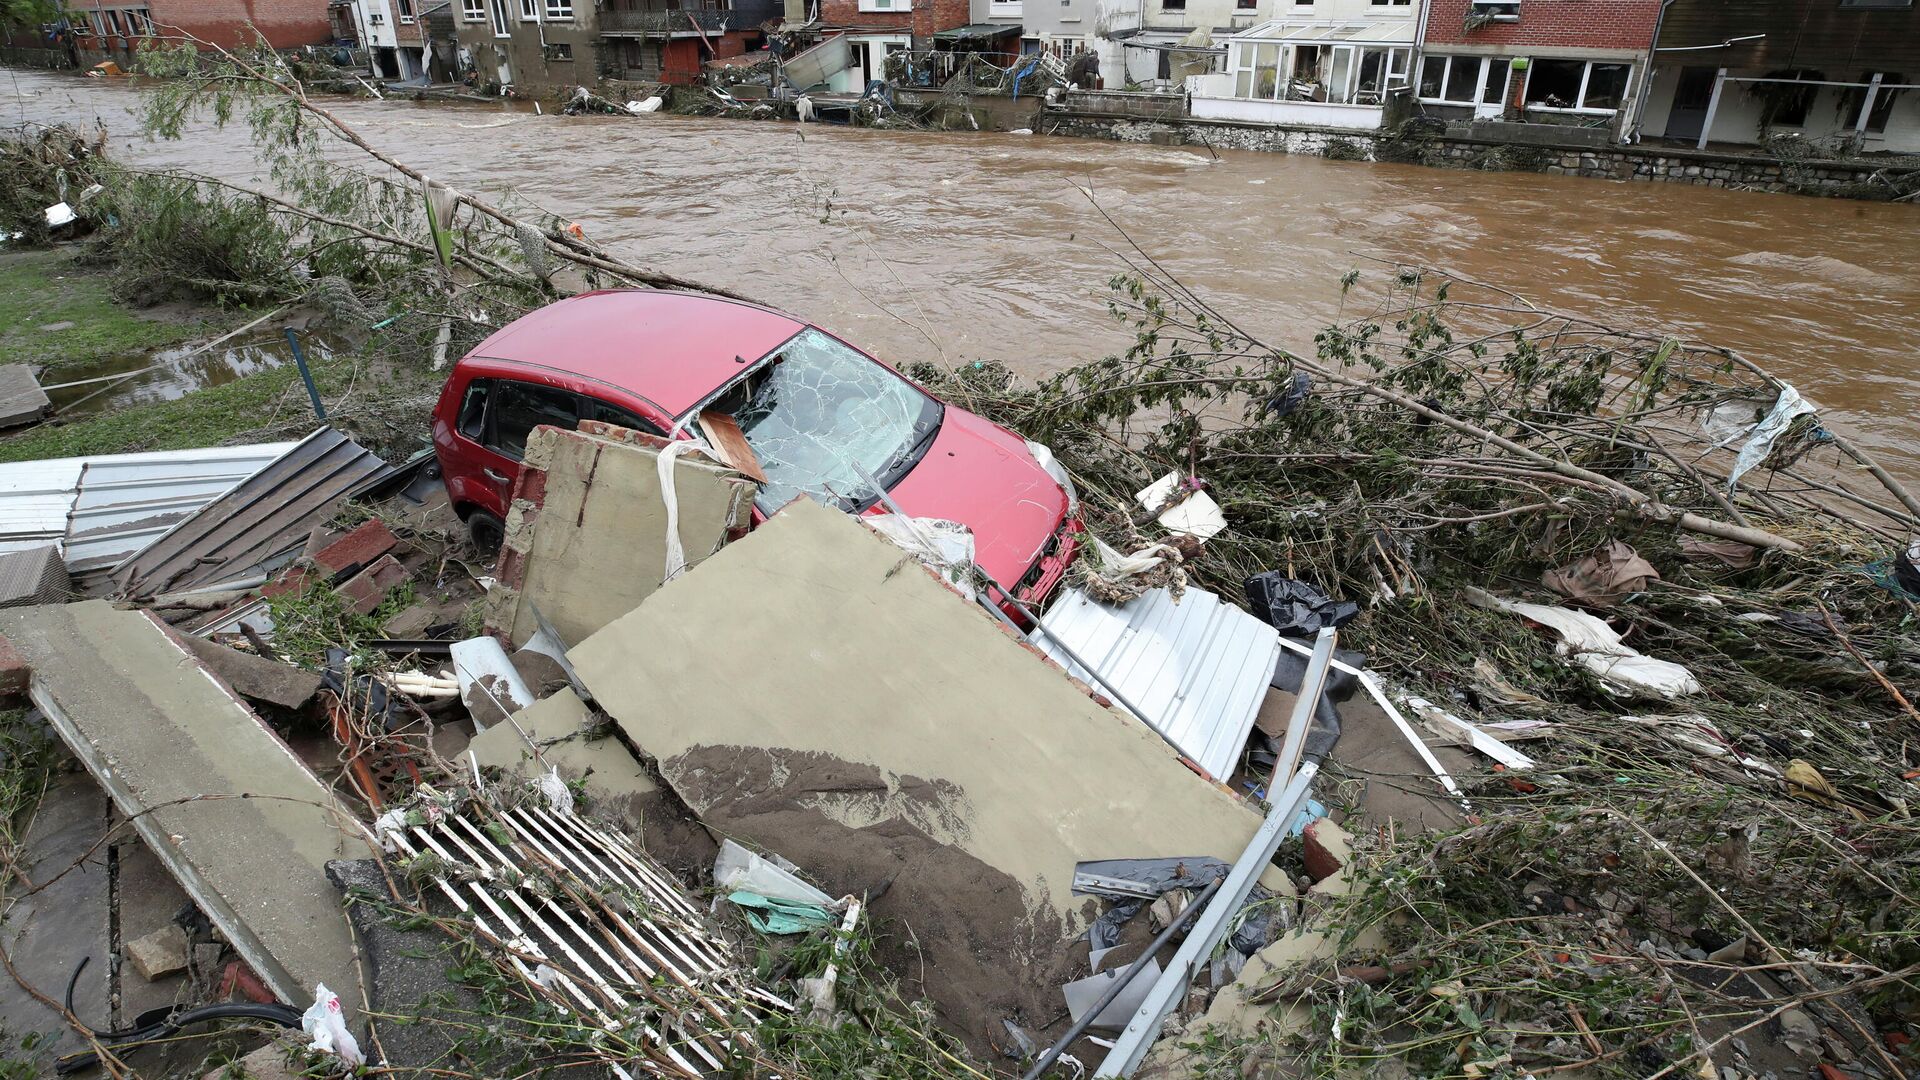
x=269, y=513
x=101, y=509
x=1199, y=668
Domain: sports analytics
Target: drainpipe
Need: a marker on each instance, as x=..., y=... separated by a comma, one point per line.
x=1630, y=131
x=1420, y=53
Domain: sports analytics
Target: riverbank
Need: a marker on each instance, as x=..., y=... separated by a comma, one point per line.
x=59, y=315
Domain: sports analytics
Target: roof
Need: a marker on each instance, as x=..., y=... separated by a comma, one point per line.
x=1379, y=31
x=265, y=516
x=673, y=348
x=102, y=509
x=978, y=30
x=1198, y=668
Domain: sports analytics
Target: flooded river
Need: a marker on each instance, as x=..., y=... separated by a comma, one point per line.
x=965, y=246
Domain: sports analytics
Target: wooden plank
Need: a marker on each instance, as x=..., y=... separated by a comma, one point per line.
x=730, y=443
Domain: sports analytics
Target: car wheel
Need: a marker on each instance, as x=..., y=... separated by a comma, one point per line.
x=486, y=532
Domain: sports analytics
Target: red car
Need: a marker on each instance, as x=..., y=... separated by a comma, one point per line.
x=821, y=416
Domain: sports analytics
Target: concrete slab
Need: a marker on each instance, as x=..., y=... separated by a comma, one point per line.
x=812, y=689
x=48, y=933
x=258, y=679
x=175, y=747
x=147, y=898
x=561, y=727
x=586, y=536
x=21, y=399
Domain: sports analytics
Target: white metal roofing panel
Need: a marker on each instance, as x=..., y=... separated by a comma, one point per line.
x=1199, y=668
x=106, y=507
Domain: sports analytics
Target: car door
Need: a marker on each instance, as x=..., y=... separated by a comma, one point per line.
x=513, y=409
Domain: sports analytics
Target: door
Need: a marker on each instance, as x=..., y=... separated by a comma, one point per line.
x=1340, y=75
x=1690, y=100
x=862, y=64
x=507, y=410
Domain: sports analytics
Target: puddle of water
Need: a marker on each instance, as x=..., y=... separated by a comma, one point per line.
x=175, y=372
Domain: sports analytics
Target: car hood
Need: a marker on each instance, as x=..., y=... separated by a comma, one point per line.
x=981, y=475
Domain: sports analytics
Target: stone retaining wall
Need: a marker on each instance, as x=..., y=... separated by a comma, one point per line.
x=1839, y=179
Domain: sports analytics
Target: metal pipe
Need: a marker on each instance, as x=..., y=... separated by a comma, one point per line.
x=300, y=361
x=1313, y=684
x=1132, y=1045
x=1087, y=1018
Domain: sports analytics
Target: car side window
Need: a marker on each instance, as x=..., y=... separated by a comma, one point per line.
x=473, y=410
x=595, y=409
x=520, y=407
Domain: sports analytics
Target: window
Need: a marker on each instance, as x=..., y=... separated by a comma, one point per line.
x=472, y=423
x=141, y=22
x=1494, y=11
x=1391, y=3
x=113, y=23
x=98, y=20
x=559, y=50
x=1173, y=5
x=560, y=9
x=473, y=10
x=595, y=409
x=886, y=5
x=1783, y=104
x=405, y=7
x=1893, y=4
x=529, y=10
x=1245, y=5
x=1453, y=79
x=1577, y=85
x=520, y=407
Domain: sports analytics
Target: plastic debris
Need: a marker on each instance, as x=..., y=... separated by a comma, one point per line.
x=946, y=546
x=736, y=868
x=1613, y=572
x=1141, y=880
x=1183, y=506
x=1295, y=608
x=1593, y=644
x=774, y=915
x=1786, y=409
x=324, y=1021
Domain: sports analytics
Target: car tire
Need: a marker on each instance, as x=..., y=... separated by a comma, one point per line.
x=486, y=531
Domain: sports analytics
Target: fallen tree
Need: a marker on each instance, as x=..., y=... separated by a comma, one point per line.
x=1448, y=437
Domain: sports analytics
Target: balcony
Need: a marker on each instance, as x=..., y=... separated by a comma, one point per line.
x=671, y=22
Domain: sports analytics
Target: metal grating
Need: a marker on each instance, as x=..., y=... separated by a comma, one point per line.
x=268, y=514
x=655, y=963
x=1198, y=669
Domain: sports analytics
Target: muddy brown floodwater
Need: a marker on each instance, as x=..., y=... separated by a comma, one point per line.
x=967, y=246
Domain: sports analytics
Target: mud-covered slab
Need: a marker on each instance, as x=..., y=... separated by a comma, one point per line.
x=237, y=818
x=812, y=689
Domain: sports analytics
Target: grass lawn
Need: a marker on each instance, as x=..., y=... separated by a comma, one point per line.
x=42, y=290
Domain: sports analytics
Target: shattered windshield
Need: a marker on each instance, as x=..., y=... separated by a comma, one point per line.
x=819, y=412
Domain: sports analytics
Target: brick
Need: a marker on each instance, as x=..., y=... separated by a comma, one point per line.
x=14, y=672
x=1327, y=848
x=358, y=548
x=367, y=589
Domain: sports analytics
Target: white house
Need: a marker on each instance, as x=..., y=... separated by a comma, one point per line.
x=1326, y=63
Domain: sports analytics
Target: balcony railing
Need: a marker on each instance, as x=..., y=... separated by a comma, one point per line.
x=673, y=21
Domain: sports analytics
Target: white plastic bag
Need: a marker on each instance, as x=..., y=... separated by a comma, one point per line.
x=946, y=546
x=328, y=1025
x=736, y=869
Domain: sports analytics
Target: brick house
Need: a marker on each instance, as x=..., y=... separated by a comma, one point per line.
x=394, y=33
x=1568, y=62
x=114, y=29
x=876, y=28
x=536, y=45
x=1836, y=72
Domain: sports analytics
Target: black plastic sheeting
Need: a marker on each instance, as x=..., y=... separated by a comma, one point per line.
x=1163, y=876
x=1295, y=608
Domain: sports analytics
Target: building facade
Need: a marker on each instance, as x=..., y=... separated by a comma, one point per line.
x=875, y=29
x=1841, y=73
x=1323, y=63
x=1573, y=62
x=539, y=45
x=115, y=29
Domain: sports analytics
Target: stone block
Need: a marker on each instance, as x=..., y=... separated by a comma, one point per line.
x=1327, y=848
x=159, y=954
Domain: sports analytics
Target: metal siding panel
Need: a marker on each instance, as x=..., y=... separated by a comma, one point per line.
x=269, y=512
x=1199, y=668
x=63, y=498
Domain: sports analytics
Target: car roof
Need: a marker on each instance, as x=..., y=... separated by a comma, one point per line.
x=673, y=348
